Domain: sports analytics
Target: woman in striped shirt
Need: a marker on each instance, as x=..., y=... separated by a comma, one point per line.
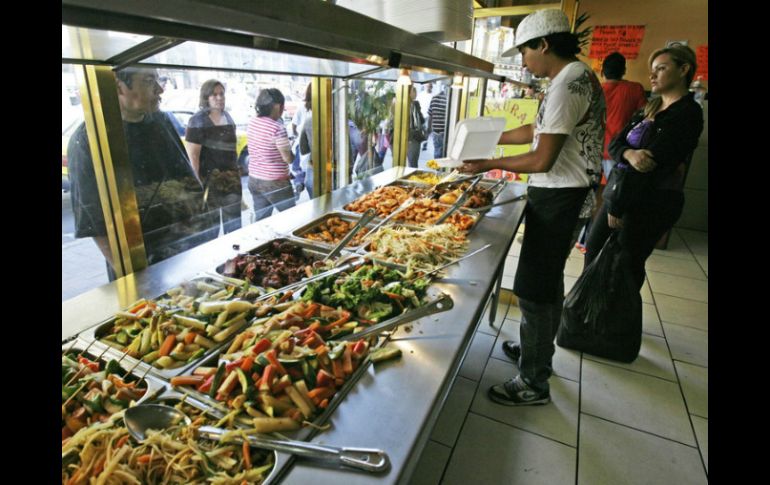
x=269, y=156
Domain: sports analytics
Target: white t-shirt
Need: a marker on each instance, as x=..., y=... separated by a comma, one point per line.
x=424, y=98
x=573, y=105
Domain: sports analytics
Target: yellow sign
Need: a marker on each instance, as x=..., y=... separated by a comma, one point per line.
x=517, y=112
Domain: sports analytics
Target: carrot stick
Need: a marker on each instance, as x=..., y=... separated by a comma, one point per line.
x=190, y=337
x=144, y=458
x=246, y=455
x=187, y=380
x=167, y=345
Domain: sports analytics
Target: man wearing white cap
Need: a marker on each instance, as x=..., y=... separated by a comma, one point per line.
x=565, y=161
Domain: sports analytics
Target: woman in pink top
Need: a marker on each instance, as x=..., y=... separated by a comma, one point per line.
x=269, y=156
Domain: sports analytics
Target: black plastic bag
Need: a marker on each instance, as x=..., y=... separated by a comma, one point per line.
x=602, y=314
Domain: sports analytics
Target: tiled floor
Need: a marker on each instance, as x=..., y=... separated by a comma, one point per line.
x=608, y=423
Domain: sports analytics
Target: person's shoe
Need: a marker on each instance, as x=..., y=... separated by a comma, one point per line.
x=512, y=350
x=516, y=392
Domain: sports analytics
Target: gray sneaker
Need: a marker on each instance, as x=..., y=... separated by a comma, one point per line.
x=516, y=392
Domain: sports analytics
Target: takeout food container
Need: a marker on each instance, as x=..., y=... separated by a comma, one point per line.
x=473, y=138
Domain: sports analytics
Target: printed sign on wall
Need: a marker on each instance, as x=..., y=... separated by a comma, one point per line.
x=625, y=39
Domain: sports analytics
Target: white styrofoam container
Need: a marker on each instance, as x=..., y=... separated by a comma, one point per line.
x=474, y=138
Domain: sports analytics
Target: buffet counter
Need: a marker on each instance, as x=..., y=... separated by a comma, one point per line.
x=395, y=404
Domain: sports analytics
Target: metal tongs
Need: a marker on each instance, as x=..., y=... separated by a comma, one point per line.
x=440, y=304
x=363, y=221
x=460, y=200
x=299, y=284
x=404, y=205
x=515, y=199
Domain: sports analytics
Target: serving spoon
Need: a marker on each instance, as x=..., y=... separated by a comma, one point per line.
x=144, y=417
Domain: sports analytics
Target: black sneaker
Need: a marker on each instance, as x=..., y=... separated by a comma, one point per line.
x=512, y=350
x=516, y=392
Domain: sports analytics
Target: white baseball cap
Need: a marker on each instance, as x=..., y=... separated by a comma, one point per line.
x=538, y=24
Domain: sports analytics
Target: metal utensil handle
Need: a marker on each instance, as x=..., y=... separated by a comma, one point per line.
x=458, y=180
x=404, y=205
x=317, y=277
x=460, y=200
x=363, y=221
x=496, y=204
x=441, y=304
x=455, y=261
x=494, y=186
x=370, y=460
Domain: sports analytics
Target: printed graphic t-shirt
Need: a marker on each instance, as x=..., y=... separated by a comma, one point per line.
x=574, y=106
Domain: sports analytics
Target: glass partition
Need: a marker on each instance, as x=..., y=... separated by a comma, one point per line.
x=227, y=57
x=189, y=162
x=95, y=45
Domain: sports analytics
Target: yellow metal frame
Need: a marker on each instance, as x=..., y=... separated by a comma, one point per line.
x=511, y=11
x=401, y=125
x=322, y=149
x=114, y=178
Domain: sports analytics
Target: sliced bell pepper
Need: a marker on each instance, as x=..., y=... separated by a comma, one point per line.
x=324, y=379
x=273, y=358
x=232, y=365
x=94, y=366
x=261, y=346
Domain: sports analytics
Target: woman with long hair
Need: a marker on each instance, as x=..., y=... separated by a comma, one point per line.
x=644, y=196
x=211, y=143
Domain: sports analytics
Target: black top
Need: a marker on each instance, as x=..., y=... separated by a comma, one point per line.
x=217, y=142
x=168, y=195
x=674, y=136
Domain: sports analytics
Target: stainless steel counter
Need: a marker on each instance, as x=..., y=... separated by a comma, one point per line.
x=395, y=404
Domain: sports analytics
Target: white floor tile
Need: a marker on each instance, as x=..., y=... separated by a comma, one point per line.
x=676, y=248
x=635, y=400
x=452, y=415
x=476, y=358
x=566, y=363
x=703, y=261
x=695, y=386
x=493, y=454
x=569, y=282
x=494, y=329
x=683, y=312
x=697, y=241
x=678, y=286
x=687, y=344
x=507, y=282
x=613, y=454
x=574, y=266
x=702, y=432
x=511, y=263
x=433, y=460
x=646, y=293
x=514, y=313
x=654, y=359
x=675, y=266
x=650, y=320
x=556, y=420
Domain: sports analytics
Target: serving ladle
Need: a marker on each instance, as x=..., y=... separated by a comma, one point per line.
x=143, y=417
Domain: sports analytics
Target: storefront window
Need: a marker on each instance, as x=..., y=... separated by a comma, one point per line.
x=189, y=164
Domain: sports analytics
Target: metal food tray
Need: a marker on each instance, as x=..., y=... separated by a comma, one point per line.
x=96, y=332
x=487, y=184
x=476, y=215
x=348, y=216
x=154, y=386
x=435, y=298
x=172, y=397
x=316, y=251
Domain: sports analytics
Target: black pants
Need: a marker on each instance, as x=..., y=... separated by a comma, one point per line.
x=643, y=226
